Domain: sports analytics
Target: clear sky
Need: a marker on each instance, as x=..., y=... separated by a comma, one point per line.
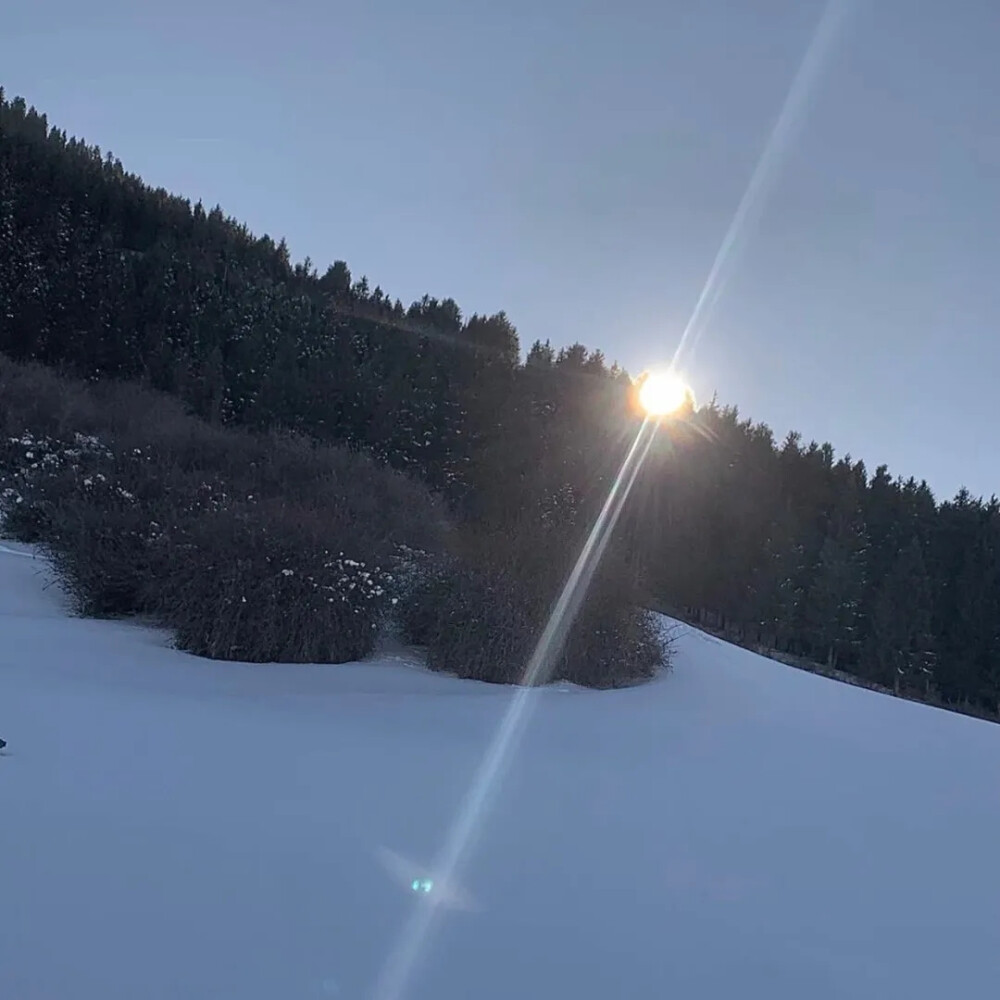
x=578, y=164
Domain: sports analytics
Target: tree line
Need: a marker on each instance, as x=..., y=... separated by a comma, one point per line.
x=782, y=544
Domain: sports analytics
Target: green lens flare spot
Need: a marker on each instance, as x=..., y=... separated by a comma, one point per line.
x=422, y=885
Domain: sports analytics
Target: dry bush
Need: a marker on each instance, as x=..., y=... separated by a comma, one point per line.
x=474, y=622
x=98, y=541
x=270, y=548
x=481, y=612
x=614, y=643
x=269, y=582
x=251, y=547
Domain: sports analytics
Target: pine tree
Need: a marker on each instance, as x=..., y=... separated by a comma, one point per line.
x=832, y=611
x=903, y=647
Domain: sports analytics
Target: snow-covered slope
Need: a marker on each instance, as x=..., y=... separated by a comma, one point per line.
x=174, y=828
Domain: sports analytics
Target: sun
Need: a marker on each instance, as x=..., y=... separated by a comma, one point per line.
x=663, y=393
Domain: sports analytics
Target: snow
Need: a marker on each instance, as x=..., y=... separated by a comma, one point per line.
x=171, y=827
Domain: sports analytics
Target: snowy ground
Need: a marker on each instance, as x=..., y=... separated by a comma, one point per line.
x=173, y=828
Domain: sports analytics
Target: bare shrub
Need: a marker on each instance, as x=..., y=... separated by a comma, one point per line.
x=267, y=582
x=480, y=614
x=474, y=622
x=267, y=547
x=251, y=547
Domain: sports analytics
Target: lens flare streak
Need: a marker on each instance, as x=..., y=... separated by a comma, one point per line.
x=398, y=968
x=749, y=209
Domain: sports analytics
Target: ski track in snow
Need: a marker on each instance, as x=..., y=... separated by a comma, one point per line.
x=178, y=828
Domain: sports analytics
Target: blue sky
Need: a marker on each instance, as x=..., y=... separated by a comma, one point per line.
x=578, y=164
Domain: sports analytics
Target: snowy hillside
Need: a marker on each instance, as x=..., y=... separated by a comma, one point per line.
x=176, y=828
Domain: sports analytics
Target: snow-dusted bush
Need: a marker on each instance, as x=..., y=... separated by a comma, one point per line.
x=613, y=645
x=252, y=547
x=480, y=616
x=98, y=512
x=27, y=462
x=270, y=548
x=474, y=622
x=264, y=584
x=423, y=581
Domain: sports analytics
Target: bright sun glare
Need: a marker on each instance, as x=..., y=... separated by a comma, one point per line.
x=663, y=393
